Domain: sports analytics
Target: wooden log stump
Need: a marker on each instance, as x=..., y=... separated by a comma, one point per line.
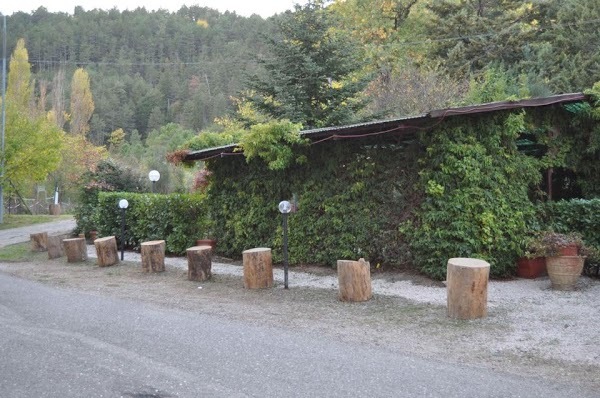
x=199, y=263
x=354, y=278
x=258, y=268
x=39, y=242
x=153, y=256
x=106, y=251
x=55, y=248
x=54, y=210
x=75, y=249
x=467, y=285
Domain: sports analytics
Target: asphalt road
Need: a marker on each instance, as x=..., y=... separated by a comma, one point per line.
x=21, y=234
x=61, y=343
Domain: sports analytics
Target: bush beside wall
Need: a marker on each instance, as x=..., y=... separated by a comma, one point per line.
x=179, y=219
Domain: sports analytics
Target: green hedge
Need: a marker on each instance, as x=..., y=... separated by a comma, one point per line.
x=576, y=215
x=179, y=219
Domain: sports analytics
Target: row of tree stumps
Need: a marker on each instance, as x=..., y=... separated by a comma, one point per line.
x=466, y=285
x=467, y=278
x=467, y=281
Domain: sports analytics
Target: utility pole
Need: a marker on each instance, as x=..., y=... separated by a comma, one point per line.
x=3, y=121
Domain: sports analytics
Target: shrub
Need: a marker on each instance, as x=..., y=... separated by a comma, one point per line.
x=179, y=219
x=576, y=215
x=108, y=176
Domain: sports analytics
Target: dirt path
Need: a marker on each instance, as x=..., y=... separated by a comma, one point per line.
x=21, y=234
x=530, y=329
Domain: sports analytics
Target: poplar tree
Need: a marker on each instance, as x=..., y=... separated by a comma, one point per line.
x=32, y=146
x=82, y=103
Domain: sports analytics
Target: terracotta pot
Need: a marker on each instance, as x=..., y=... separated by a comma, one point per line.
x=531, y=267
x=207, y=242
x=564, y=271
x=93, y=235
x=571, y=250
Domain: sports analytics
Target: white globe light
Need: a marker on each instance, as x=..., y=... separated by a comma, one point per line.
x=123, y=204
x=154, y=175
x=285, y=207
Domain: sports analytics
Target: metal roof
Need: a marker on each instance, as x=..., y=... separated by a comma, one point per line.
x=402, y=125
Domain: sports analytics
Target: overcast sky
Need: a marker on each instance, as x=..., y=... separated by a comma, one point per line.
x=264, y=8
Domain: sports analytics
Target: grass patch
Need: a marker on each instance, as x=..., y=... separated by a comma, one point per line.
x=21, y=220
x=16, y=253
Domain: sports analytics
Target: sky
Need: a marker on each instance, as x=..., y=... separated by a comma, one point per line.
x=264, y=8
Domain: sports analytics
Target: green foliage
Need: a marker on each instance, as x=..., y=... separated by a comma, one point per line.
x=350, y=199
x=496, y=85
x=273, y=143
x=576, y=215
x=310, y=74
x=179, y=219
x=208, y=139
x=476, y=187
x=108, y=176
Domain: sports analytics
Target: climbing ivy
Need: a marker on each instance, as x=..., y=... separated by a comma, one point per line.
x=475, y=184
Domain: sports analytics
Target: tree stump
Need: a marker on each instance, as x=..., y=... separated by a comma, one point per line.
x=106, y=251
x=75, y=249
x=153, y=256
x=467, y=284
x=258, y=268
x=39, y=242
x=55, y=249
x=199, y=263
x=354, y=278
x=54, y=210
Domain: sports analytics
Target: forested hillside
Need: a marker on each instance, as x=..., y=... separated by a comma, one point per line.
x=146, y=68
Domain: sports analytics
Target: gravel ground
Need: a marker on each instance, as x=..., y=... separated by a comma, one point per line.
x=530, y=329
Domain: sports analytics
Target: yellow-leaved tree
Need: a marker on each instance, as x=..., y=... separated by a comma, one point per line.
x=79, y=155
x=82, y=102
x=32, y=144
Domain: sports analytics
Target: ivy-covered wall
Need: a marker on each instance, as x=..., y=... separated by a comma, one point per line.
x=351, y=198
x=476, y=188
x=462, y=189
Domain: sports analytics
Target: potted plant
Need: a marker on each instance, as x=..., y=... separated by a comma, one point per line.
x=563, y=261
x=209, y=240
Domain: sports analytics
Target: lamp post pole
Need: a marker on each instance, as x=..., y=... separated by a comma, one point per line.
x=123, y=204
x=284, y=208
x=285, y=251
x=3, y=127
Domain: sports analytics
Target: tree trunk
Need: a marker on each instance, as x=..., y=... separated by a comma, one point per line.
x=153, y=256
x=354, y=278
x=106, y=251
x=467, y=283
x=39, y=242
x=75, y=249
x=54, y=210
x=199, y=263
x=258, y=268
x=55, y=249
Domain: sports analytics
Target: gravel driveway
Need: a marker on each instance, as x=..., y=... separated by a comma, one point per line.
x=530, y=329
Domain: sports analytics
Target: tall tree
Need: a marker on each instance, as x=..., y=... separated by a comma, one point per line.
x=82, y=103
x=310, y=74
x=568, y=56
x=470, y=35
x=58, y=98
x=19, y=88
x=32, y=143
